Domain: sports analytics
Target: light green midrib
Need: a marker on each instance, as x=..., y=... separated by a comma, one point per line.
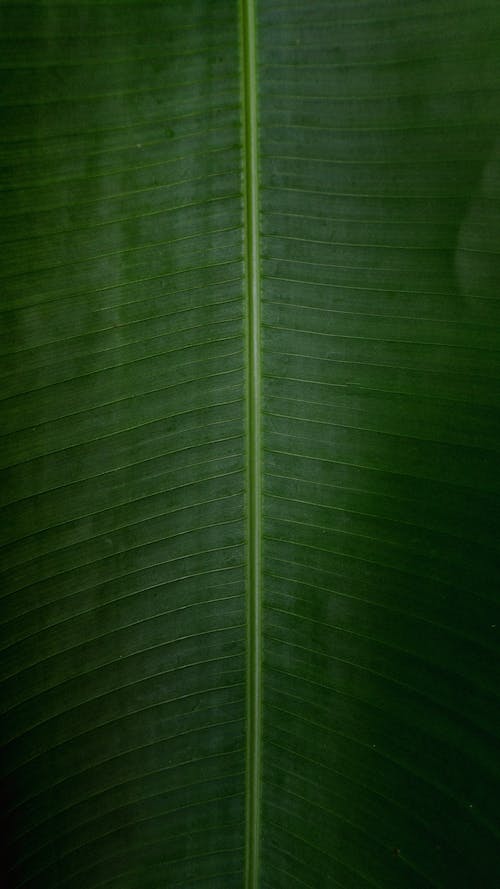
x=253, y=449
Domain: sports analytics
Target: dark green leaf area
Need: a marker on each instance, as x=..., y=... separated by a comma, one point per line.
x=123, y=572
x=380, y=149
x=126, y=444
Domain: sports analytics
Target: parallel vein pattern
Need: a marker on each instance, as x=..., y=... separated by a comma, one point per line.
x=122, y=365
x=143, y=222
x=380, y=159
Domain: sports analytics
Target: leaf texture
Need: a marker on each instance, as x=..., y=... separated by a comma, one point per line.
x=144, y=258
x=124, y=576
x=380, y=160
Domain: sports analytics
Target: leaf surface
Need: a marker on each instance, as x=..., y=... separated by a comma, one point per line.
x=250, y=444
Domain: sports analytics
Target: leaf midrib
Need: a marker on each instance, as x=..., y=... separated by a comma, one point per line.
x=253, y=438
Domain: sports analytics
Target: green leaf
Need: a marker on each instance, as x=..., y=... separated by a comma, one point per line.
x=250, y=493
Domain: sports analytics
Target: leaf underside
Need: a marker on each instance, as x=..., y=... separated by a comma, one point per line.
x=125, y=450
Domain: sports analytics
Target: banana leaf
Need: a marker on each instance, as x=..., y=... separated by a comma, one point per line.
x=250, y=479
